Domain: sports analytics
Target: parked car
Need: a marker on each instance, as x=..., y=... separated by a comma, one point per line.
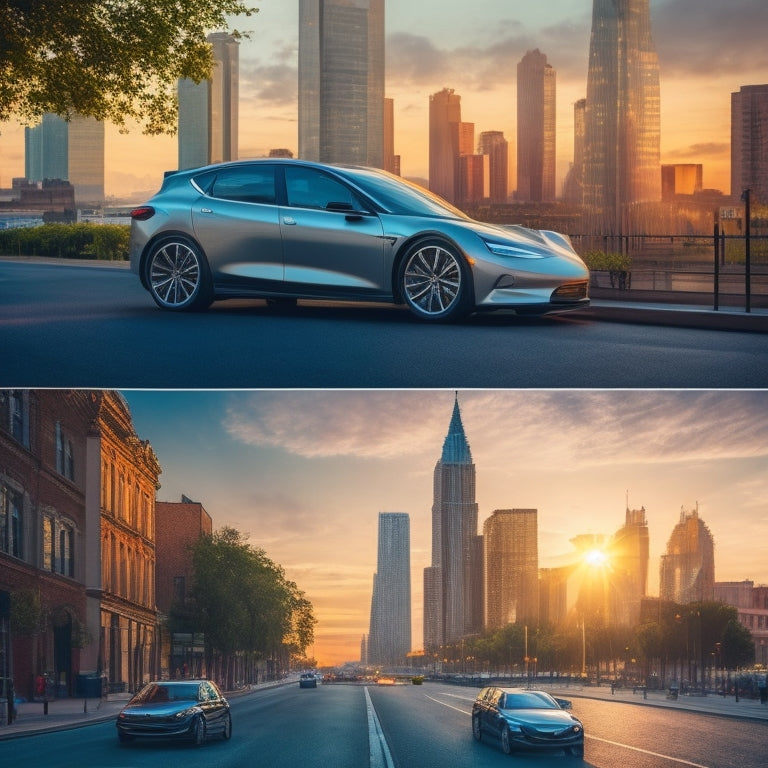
x=283, y=230
x=308, y=680
x=526, y=720
x=185, y=709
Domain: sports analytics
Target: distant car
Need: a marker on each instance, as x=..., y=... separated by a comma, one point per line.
x=308, y=680
x=526, y=720
x=283, y=230
x=183, y=709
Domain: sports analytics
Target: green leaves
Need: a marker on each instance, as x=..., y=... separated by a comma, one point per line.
x=115, y=60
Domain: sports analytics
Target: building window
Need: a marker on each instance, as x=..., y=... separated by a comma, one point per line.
x=65, y=462
x=58, y=546
x=11, y=522
x=18, y=403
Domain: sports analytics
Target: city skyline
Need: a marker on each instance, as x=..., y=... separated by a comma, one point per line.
x=306, y=473
x=705, y=53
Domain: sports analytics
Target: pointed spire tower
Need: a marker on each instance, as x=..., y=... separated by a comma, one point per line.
x=453, y=596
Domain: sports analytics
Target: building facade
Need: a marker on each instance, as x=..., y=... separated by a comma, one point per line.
x=444, y=122
x=510, y=538
x=687, y=572
x=629, y=557
x=573, y=188
x=341, y=81
x=536, y=128
x=496, y=147
x=622, y=132
x=389, y=636
x=749, y=142
x=453, y=583
x=209, y=110
x=68, y=150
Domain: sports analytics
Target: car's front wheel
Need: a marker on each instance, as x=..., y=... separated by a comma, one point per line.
x=177, y=275
x=198, y=731
x=476, y=730
x=227, y=732
x=435, y=282
x=578, y=751
x=506, y=740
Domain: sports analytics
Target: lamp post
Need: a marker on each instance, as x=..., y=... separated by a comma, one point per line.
x=746, y=197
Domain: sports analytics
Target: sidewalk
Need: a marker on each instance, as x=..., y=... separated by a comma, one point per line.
x=64, y=714
x=712, y=704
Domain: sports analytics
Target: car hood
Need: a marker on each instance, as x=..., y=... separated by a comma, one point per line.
x=157, y=710
x=542, y=719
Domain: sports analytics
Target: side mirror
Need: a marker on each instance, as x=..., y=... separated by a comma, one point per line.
x=564, y=703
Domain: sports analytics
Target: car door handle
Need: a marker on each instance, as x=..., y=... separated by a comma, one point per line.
x=206, y=210
x=289, y=220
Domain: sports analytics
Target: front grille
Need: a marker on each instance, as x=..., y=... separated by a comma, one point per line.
x=571, y=292
x=543, y=737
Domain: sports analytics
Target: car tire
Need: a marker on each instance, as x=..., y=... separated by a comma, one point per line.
x=227, y=732
x=124, y=738
x=198, y=731
x=435, y=282
x=506, y=740
x=477, y=731
x=577, y=751
x=177, y=275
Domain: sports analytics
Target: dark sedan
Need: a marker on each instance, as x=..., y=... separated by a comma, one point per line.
x=526, y=720
x=184, y=709
x=284, y=230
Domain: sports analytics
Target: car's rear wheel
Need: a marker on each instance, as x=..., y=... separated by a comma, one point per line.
x=178, y=276
x=198, y=731
x=435, y=282
x=506, y=740
x=227, y=733
x=476, y=730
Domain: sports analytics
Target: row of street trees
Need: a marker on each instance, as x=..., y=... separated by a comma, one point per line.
x=681, y=642
x=246, y=608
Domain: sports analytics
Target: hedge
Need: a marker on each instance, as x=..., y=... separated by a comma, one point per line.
x=108, y=242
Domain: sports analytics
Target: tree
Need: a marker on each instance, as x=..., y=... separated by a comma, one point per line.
x=115, y=60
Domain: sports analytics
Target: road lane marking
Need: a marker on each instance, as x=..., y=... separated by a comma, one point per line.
x=647, y=752
x=378, y=751
x=450, y=706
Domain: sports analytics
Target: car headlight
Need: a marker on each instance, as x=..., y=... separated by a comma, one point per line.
x=515, y=251
x=185, y=713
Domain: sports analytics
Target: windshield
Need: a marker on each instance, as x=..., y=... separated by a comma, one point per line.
x=527, y=700
x=400, y=196
x=158, y=694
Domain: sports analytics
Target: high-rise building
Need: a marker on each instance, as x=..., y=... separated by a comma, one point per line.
x=622, y=130
x=681, y=179
x=453, y=584
x=341, y=81
x=629, y=550
x=444, y=121
x=688, y=567
x=496, y=147
x=391, y=160
x=209, y=110
x=70, y=150
x=510, y=538
x=536, y=128
x=573, y=189
x=389, y=636
x=749, y=142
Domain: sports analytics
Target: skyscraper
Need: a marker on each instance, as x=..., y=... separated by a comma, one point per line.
x=493, y=144
x=536, y=132
x=749, y=142
x=453, y=584
x=209, y=110
x=629, y=566
x=444, y=135
x=70, y=150
x=688, y=566
x=510, y=538
x=622, y=130
x=573, y=189
x=389, y=637
x=341, y=81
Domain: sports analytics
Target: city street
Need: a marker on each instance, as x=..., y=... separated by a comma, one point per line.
x=65, y=325
x=420, y=727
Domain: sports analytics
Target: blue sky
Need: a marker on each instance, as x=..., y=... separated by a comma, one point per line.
x=707, y=49
x=305, y=474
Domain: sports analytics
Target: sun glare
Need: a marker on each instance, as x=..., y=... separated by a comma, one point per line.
x=596, y=558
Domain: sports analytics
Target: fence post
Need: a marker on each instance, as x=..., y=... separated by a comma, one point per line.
x=747, y=250
x=717, y=266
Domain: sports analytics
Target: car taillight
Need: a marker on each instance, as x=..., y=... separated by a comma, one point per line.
x=143, y=213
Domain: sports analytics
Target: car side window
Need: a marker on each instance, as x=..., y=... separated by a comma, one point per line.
x=245, y=185
x=310, y=188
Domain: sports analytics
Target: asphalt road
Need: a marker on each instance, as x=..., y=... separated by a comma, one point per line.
x=63, y=325
x=421, y=726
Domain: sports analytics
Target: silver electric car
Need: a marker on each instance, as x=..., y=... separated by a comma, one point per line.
x=283, y=230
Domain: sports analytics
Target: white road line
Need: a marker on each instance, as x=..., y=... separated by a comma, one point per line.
x=450, y=706
x=379, y=754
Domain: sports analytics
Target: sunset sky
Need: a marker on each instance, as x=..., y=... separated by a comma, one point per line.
x=707, y=49
x=306, y=473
